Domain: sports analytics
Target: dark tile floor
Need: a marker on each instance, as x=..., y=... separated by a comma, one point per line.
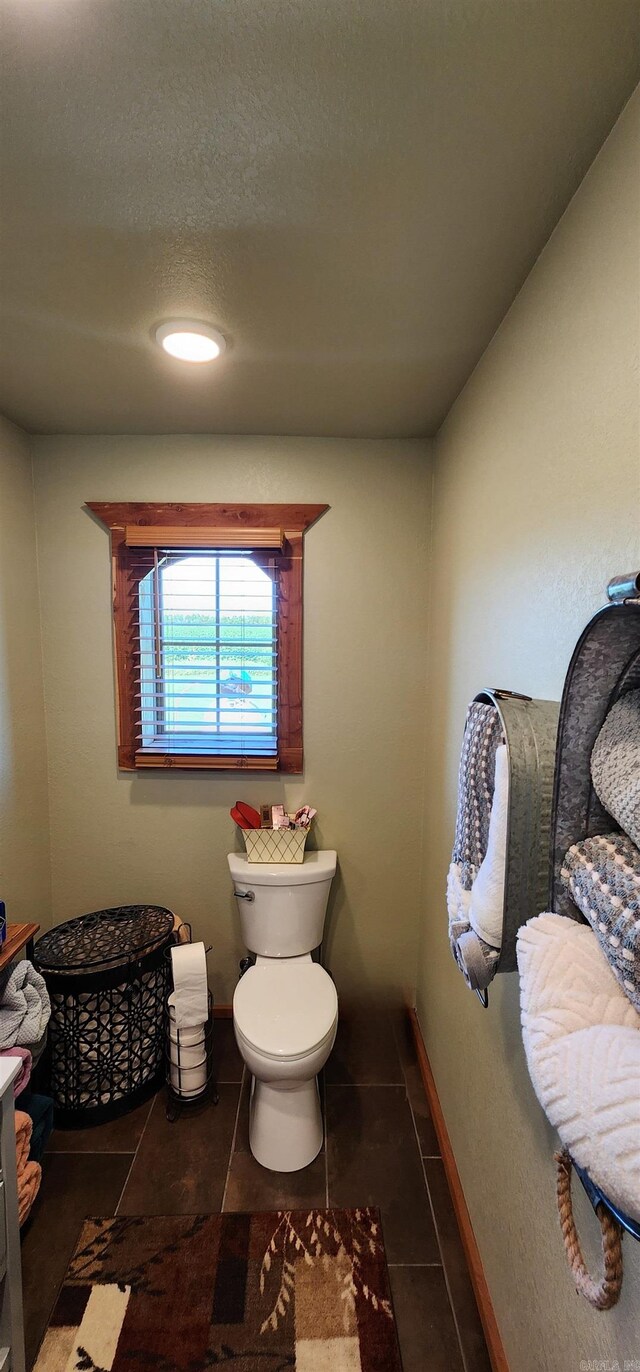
x=380, y=1149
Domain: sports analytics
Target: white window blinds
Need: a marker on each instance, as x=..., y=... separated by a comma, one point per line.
x=208, y=672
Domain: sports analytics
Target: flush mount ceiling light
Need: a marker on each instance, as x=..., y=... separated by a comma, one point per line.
x=190, y=341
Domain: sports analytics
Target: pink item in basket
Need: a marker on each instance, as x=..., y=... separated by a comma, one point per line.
x=22, y=1078
x=304, y=816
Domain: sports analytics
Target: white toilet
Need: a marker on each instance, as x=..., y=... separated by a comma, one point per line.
x=285, y=1007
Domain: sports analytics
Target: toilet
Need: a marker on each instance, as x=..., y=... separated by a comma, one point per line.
x=285, y=1006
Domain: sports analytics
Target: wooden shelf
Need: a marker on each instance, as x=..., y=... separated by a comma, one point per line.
x=18, y=936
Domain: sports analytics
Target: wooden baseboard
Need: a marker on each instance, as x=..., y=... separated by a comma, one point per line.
x=223, y=1012
x=476, y=1272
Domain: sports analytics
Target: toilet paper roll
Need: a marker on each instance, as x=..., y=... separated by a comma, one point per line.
x=188, y=1081
x=190, y=995
x=188, y=1057
x=186, y=1037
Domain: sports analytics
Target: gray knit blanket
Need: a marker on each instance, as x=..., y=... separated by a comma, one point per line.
x=24, y=1006
x=482, y=738
x=483, y=735
x=615, y=764
x=602, y=875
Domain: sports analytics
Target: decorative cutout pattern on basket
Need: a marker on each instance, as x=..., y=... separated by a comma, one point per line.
x=107, y=1043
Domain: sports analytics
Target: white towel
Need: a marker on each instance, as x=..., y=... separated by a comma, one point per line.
x=582, y=1040
x=476, y=960
x=458, y=900
x=24, y=1006
x=487, y=893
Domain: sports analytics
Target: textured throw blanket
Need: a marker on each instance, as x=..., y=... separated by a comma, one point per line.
x=475, y=957
x=29, y=1173
x=602, y=875
x=482, y=738
x=478, y=838
x=24, y=1006
x=582, y=1041
x=615, y=764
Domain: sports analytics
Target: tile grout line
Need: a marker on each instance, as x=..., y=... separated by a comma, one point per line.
x=442, y=1263
x=233, y=1143
x=418, y=1265
x=133, y=1160
x=91, y=1152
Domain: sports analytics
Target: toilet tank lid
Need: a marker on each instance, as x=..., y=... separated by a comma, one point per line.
x=318, y=866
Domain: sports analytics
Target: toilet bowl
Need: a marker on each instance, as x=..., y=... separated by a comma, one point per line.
x=285, y=1017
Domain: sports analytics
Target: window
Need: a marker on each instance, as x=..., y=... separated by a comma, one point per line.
x=208, y=634
x=208, y=655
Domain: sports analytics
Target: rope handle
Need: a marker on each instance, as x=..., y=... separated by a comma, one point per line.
x=605, y=1292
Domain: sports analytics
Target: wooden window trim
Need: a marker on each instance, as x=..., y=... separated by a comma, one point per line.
x=144, y=536
x=292, y=521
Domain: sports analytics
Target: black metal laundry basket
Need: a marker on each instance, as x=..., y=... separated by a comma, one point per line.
x=108, y=980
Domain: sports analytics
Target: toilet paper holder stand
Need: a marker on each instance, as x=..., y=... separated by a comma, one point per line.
x=189, y=1076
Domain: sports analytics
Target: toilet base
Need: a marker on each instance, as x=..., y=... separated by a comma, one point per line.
x=285, y=1124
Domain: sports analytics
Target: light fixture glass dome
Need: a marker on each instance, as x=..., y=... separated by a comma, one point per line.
x=190, y=341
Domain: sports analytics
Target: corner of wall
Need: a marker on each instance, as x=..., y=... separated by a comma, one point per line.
x=25, y=856
x=31, y=449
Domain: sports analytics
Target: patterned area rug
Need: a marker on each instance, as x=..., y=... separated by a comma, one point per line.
x=254, y=1293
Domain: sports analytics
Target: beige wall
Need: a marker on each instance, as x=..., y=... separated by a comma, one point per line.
x=164, y=837
x=536, y=505
x=24, y=821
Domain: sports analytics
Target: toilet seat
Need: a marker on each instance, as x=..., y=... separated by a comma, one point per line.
x=285, y=1010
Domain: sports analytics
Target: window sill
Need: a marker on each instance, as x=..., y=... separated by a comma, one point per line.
x=205, y=761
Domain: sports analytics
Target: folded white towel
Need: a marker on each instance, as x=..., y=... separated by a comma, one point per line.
x=582, y=1040
x=458, y=900
x=476, y=960
x=487, y=893
x=24, y=1006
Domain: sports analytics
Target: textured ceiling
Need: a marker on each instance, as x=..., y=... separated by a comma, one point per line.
x=352, y=190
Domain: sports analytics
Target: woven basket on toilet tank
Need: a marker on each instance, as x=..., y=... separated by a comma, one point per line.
x=275, y=845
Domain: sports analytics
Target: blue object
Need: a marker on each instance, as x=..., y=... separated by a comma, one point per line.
x=236, y=684
x=40, y=1110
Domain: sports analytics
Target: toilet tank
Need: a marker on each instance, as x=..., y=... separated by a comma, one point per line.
x=284, y=915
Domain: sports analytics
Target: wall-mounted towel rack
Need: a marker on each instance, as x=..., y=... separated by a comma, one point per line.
x=528, y=729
